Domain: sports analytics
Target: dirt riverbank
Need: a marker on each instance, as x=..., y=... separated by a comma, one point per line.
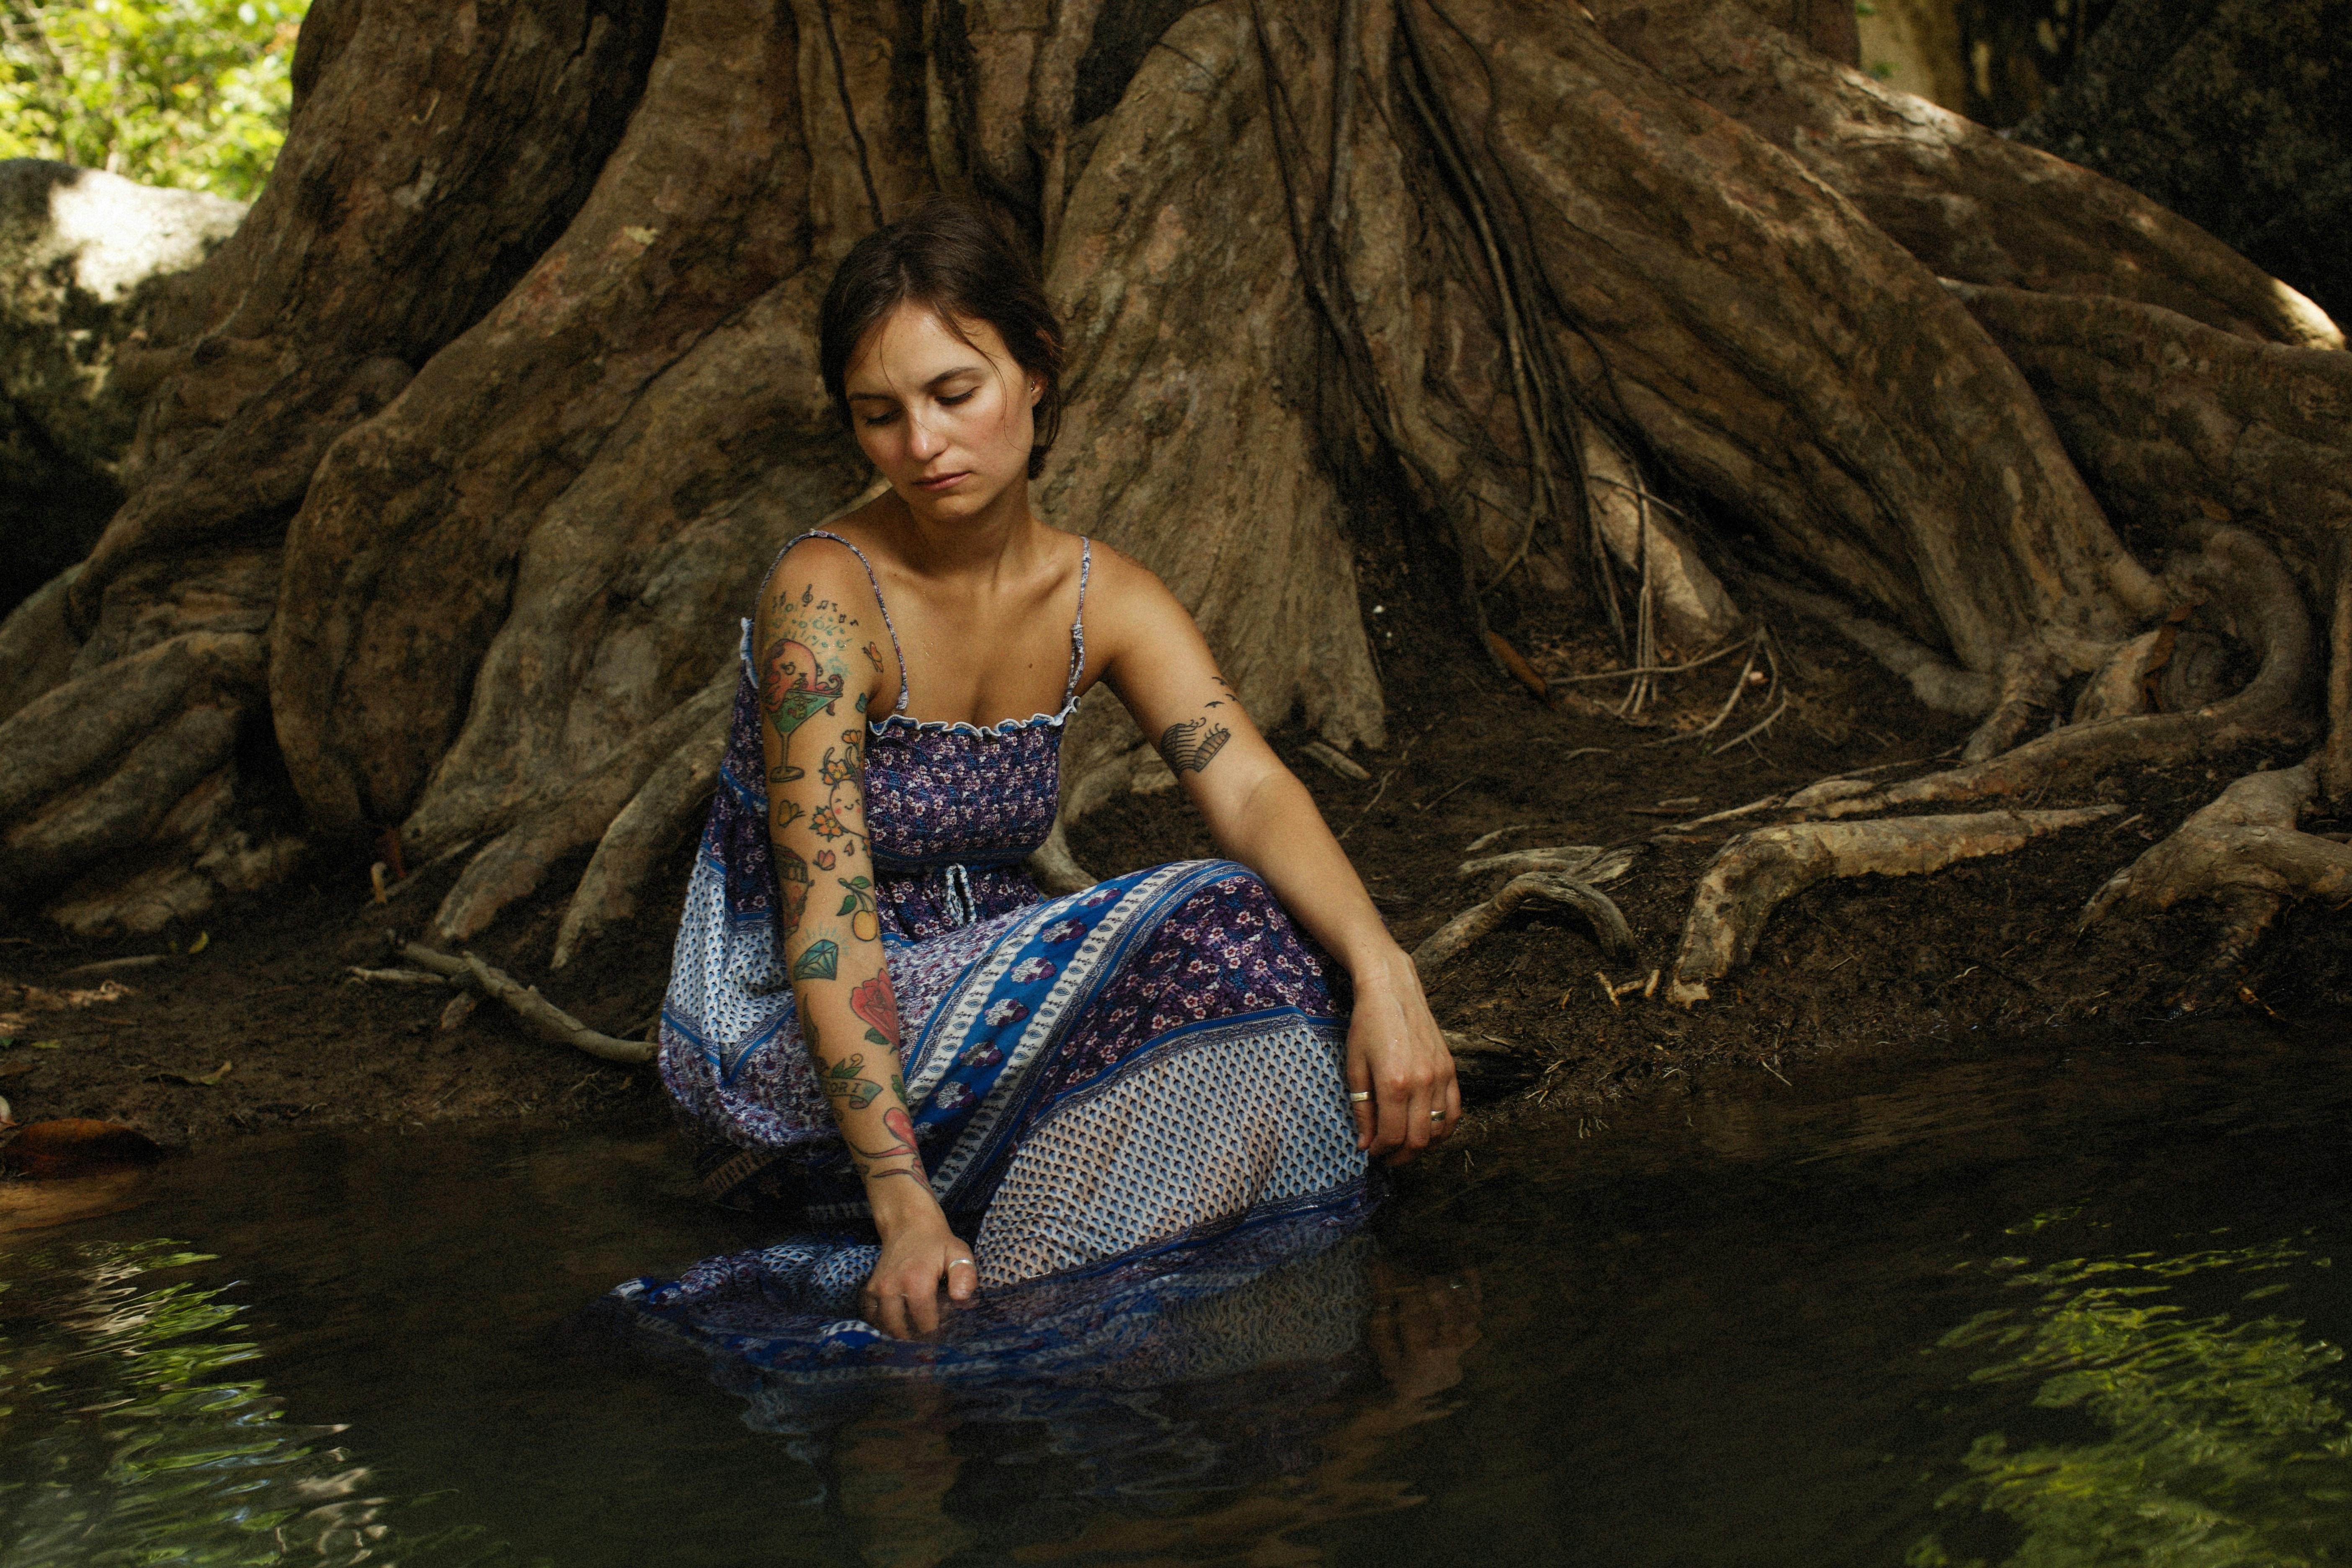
x=250, y=1020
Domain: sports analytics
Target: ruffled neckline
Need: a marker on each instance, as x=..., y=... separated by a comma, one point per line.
x=1003, y=728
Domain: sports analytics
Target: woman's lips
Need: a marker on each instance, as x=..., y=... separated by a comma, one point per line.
x=941, y=483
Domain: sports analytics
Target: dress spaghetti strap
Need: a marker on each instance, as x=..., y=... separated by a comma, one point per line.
x=1079, y=626
x=895, y=651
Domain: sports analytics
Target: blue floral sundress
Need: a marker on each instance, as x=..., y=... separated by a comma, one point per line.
x=1120, y=1095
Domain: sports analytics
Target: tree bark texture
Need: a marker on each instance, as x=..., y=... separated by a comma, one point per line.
x=459, y=462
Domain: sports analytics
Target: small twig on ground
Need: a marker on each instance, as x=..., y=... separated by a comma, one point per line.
x=1369, y=804
x=1403, y=757
x=112, y=966
x=1479, y=921
x=1485, y=839
x=543, y=1017
x=355, y=972
x=1424, y=805
x=1337, y=761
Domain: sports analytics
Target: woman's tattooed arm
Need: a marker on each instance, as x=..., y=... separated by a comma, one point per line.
x=817, y=672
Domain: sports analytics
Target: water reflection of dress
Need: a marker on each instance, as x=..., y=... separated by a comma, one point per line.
x=1112, y=1085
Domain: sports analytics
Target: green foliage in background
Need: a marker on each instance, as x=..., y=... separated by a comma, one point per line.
x=2222, y=1443
x=193, y=93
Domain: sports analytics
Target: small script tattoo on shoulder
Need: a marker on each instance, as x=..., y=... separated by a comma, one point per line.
x=1193, y=744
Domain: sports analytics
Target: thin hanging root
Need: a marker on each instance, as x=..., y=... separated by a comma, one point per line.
x=1759, y=644
x=1479, y=921
x=1751, y=875
x=2242, y=852
x=539, y=1015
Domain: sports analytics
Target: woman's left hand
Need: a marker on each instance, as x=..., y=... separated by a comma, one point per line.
x=1396, y=1053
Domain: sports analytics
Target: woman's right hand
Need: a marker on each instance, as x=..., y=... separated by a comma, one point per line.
x=902, y=1295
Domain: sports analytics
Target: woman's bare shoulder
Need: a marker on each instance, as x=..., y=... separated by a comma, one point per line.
x=815, y=568
x=1121, y=584
x=1132, y=615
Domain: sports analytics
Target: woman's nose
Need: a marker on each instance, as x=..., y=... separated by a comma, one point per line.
x=923, y=443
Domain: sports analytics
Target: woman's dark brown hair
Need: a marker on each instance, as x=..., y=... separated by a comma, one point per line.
x=949, y=256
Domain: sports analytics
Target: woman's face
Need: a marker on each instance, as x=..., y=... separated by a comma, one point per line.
x=948, y=420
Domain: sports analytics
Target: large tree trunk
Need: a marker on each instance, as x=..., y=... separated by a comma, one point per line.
x=459, y=461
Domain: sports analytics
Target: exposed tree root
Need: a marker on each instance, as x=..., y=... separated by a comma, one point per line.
x=511, y=865
x=353, y=268
x=36, y=645
x=133, y=805
x=359, y=973
x=2261, y=605
x=1751, y=875
x=1337, y=761
x=62, y=735
x=542, y=1017
x=1608, y=922
x=1676, y=592
x=665, y=808
x=2242, y=852
x=2184, y=425
x=1934, y=680
x=1585, y=862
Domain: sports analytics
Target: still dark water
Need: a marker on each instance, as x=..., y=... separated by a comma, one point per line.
x=2035, y=1305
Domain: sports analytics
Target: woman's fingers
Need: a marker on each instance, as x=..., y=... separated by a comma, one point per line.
x=1395, y=1102
x=887, y=1310
x=904, y=1302
x=1404, y=1118
x=1359, y=1099
x=923, y=1306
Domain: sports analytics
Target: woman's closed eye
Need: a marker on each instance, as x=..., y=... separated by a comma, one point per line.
x=890, y=416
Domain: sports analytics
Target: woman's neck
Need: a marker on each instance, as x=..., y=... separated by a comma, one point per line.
x=1000, y=535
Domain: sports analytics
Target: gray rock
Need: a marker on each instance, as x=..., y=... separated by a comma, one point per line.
x=80, y=251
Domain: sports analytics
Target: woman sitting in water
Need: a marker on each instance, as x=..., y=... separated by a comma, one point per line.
x=873, y=1012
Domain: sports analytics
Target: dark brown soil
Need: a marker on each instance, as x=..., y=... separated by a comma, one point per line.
x=1988, y=946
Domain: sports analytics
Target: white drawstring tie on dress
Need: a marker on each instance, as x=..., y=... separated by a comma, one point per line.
x=962, y=906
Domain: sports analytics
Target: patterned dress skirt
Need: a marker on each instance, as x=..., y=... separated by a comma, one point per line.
x=1126, y=1098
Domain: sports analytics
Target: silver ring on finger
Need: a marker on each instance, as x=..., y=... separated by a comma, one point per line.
x=1358, y=1095
x=963, y=1263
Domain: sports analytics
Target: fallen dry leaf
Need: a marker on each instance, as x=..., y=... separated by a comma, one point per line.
x=194, y=1081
